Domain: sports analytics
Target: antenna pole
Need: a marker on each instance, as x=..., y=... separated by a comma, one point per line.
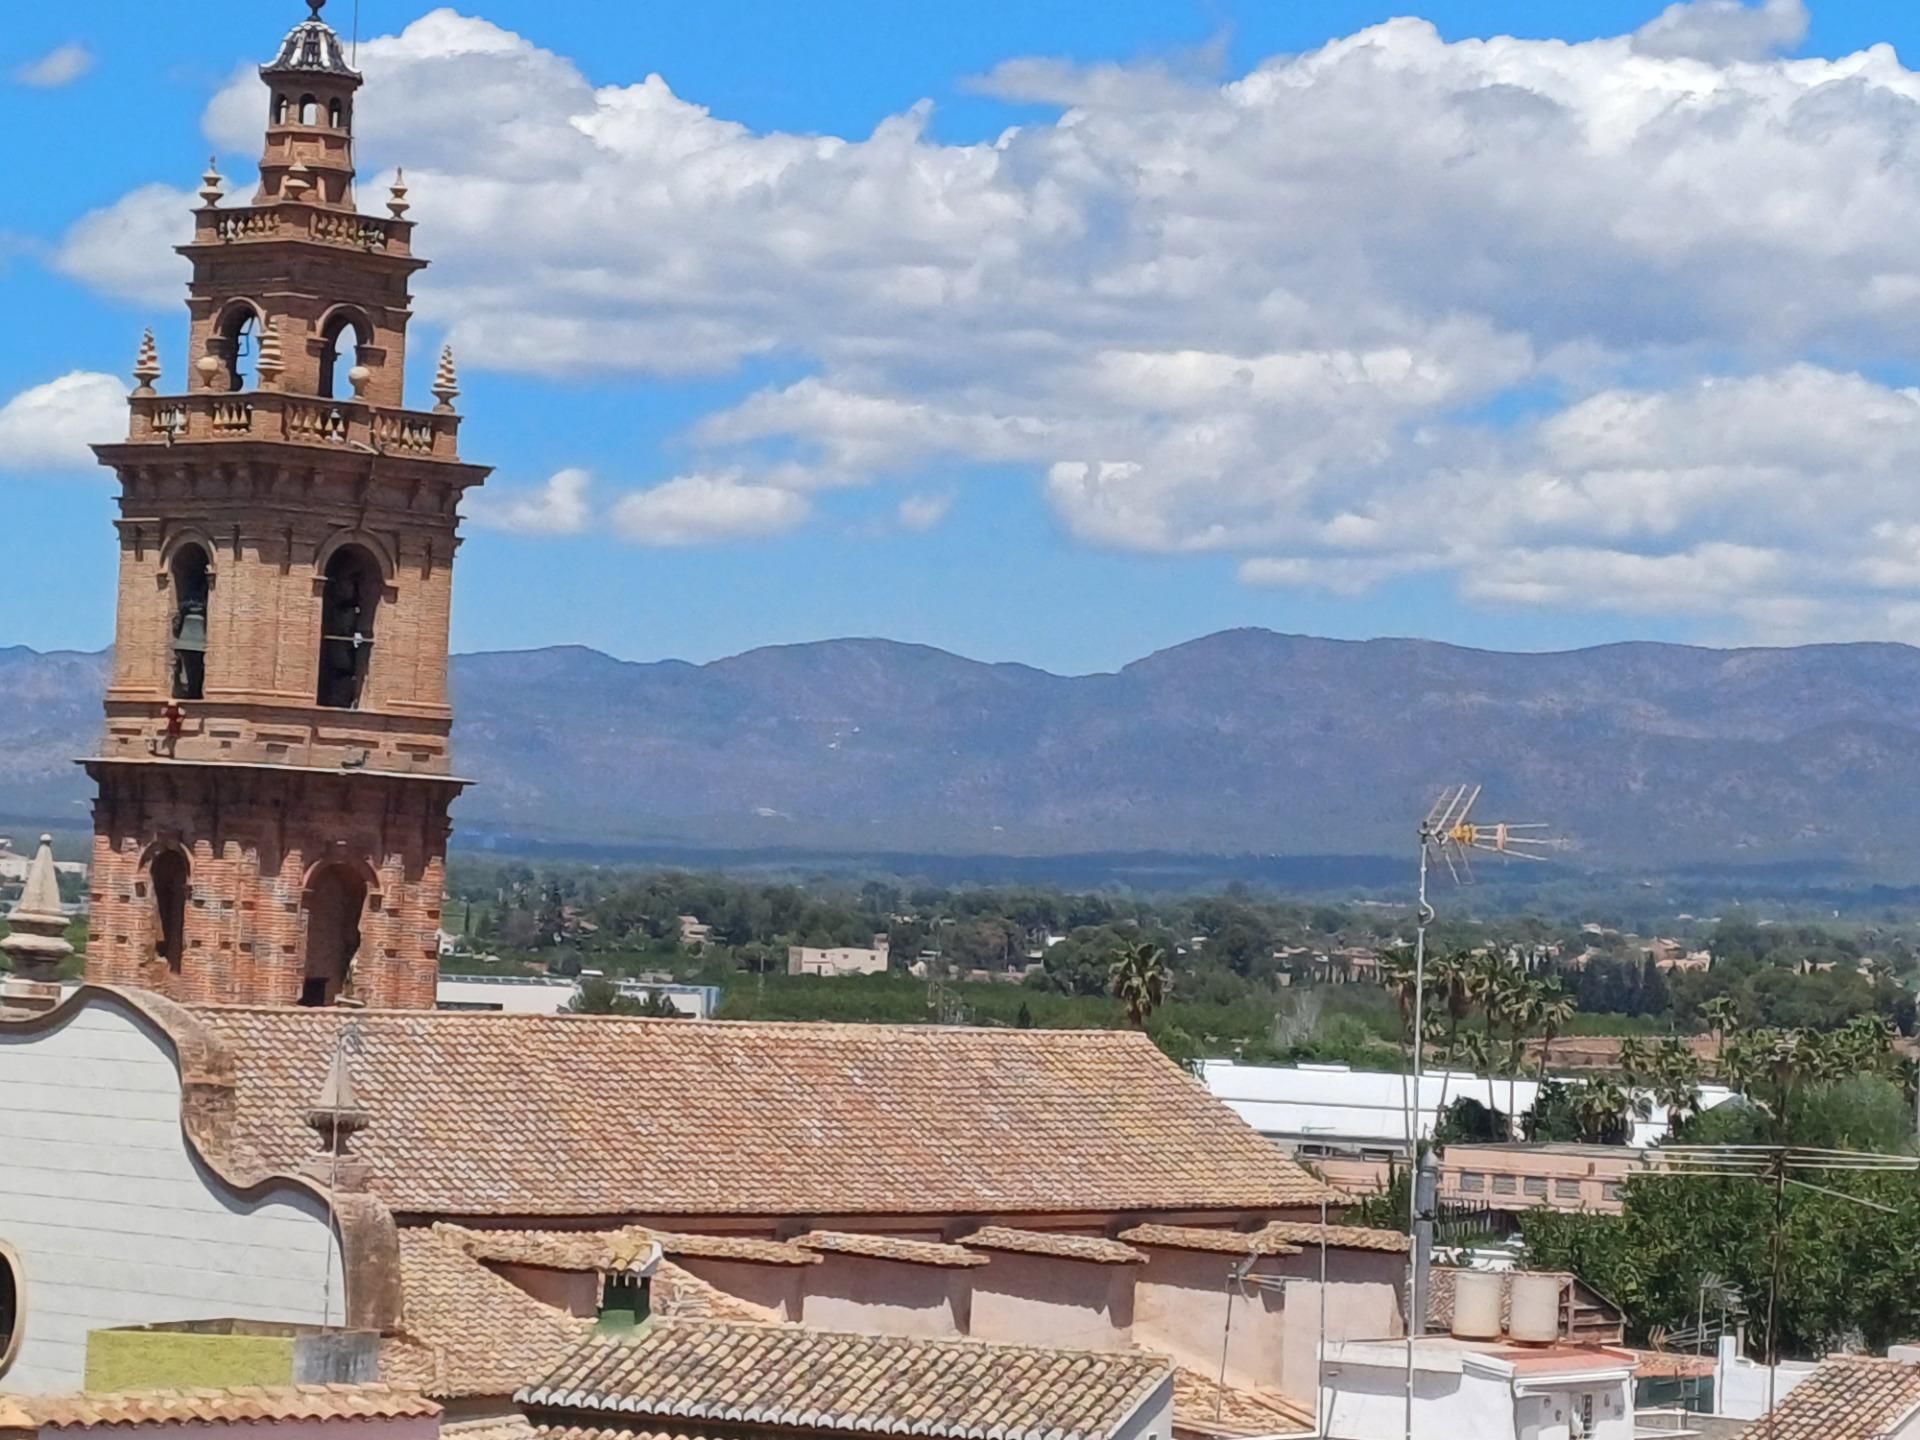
x=1416, y=1314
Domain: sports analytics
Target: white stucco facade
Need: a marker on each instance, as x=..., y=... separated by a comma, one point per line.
x=115, y=1221
x=1461, y=1391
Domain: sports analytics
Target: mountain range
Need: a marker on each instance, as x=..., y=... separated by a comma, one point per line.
x=1244, y=742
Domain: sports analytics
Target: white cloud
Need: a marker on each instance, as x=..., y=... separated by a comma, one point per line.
x=58, y=67
x=126, y=248
x=558, y=507
x=708, y=509
x=1489, y=307
x=1720, y=30
x=50, y=426
x=924, y=512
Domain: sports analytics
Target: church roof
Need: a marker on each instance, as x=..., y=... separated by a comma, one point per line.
x=526, y=1115
x=311, y=48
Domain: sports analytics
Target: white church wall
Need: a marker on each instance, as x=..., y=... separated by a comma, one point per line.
x=115, y=1221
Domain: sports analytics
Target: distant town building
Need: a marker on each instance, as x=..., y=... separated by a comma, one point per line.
x=14, y=865
x=553, y=994
x=695, y=934
x=839, y=960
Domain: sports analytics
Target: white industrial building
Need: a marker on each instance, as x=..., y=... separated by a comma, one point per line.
x=1334, y=1109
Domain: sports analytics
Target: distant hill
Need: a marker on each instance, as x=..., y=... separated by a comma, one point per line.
x=1245, y=741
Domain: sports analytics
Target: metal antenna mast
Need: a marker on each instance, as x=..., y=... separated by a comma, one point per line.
x=1449, y=832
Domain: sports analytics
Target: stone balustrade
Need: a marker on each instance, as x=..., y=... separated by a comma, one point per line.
x=302, y=419
x=249, y=223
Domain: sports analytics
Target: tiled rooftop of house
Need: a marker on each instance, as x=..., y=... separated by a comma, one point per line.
x=1195, y=1237
x=1339, y=1237
x=1053, y=1243
x=1205, y=1410
x=1667, y=1365
x=1847, y=1398
x=786, y=1376
x=217, y=1407
x=891, y=1247
x=466, y=1331
x=523, y=1115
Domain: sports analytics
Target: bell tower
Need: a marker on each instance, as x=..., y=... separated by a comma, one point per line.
x=274, y=780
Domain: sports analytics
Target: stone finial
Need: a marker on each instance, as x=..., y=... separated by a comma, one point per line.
x=359, y=377
x=446, y=381
x=211, y=184
x=208, y=367
x=272, y=361
x=297, y=183
x=397, y=204
x=335, y=1117
x=146, y=368
x=36, y=940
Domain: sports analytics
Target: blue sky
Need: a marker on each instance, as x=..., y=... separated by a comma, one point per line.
x=1509, y=401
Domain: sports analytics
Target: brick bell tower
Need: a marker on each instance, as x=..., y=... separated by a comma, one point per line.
x=272, y=824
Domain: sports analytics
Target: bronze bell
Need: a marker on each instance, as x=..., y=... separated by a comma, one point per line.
x=190, y=627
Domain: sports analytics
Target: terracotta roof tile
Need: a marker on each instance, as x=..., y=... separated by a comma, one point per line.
x=1339, y=1237
x=527, y=1115
x=1195, y=1237
x=1847, y=1398
x=891, y=1247
x=789, y=1376
x=1205, y=1410
x=222, y=1407
x=497, y=1427
x=619, y=1249
x=465, y=1330
x=1666, y=1365
x=1057, y=1244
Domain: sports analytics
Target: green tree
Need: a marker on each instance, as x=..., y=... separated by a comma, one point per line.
x=1138, y=979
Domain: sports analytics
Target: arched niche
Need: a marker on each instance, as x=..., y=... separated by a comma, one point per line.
x=345, y=335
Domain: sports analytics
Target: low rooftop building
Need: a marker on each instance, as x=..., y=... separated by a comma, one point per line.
x=683, y=1378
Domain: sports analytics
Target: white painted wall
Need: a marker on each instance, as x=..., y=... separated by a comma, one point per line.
x=1463, y=1400
x=1740, y=1385
x=114, y=1220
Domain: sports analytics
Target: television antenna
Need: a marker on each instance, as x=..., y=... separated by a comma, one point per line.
x=1451, y=834
x=1782, y=1166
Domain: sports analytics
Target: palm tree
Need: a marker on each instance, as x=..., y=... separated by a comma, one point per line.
x=1520, y=1004
x=1477, y=1055
x=1554, y=1007
x=1449, y=977
x=1605, y=1110
x=1138, y=979
x=1676, y=1081
x=1722, y=1015
x=1633, y=1058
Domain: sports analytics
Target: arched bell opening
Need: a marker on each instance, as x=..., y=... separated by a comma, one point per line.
x=349, y=604
x=336, y=899
x=192, y=579
x=171, y=876
x=236, y=342
x=344, y=338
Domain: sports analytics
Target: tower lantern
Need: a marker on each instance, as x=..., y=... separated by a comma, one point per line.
x=274, y=780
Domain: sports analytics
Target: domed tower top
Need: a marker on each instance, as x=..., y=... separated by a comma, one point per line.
x=310, y=47
x=309, y=152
